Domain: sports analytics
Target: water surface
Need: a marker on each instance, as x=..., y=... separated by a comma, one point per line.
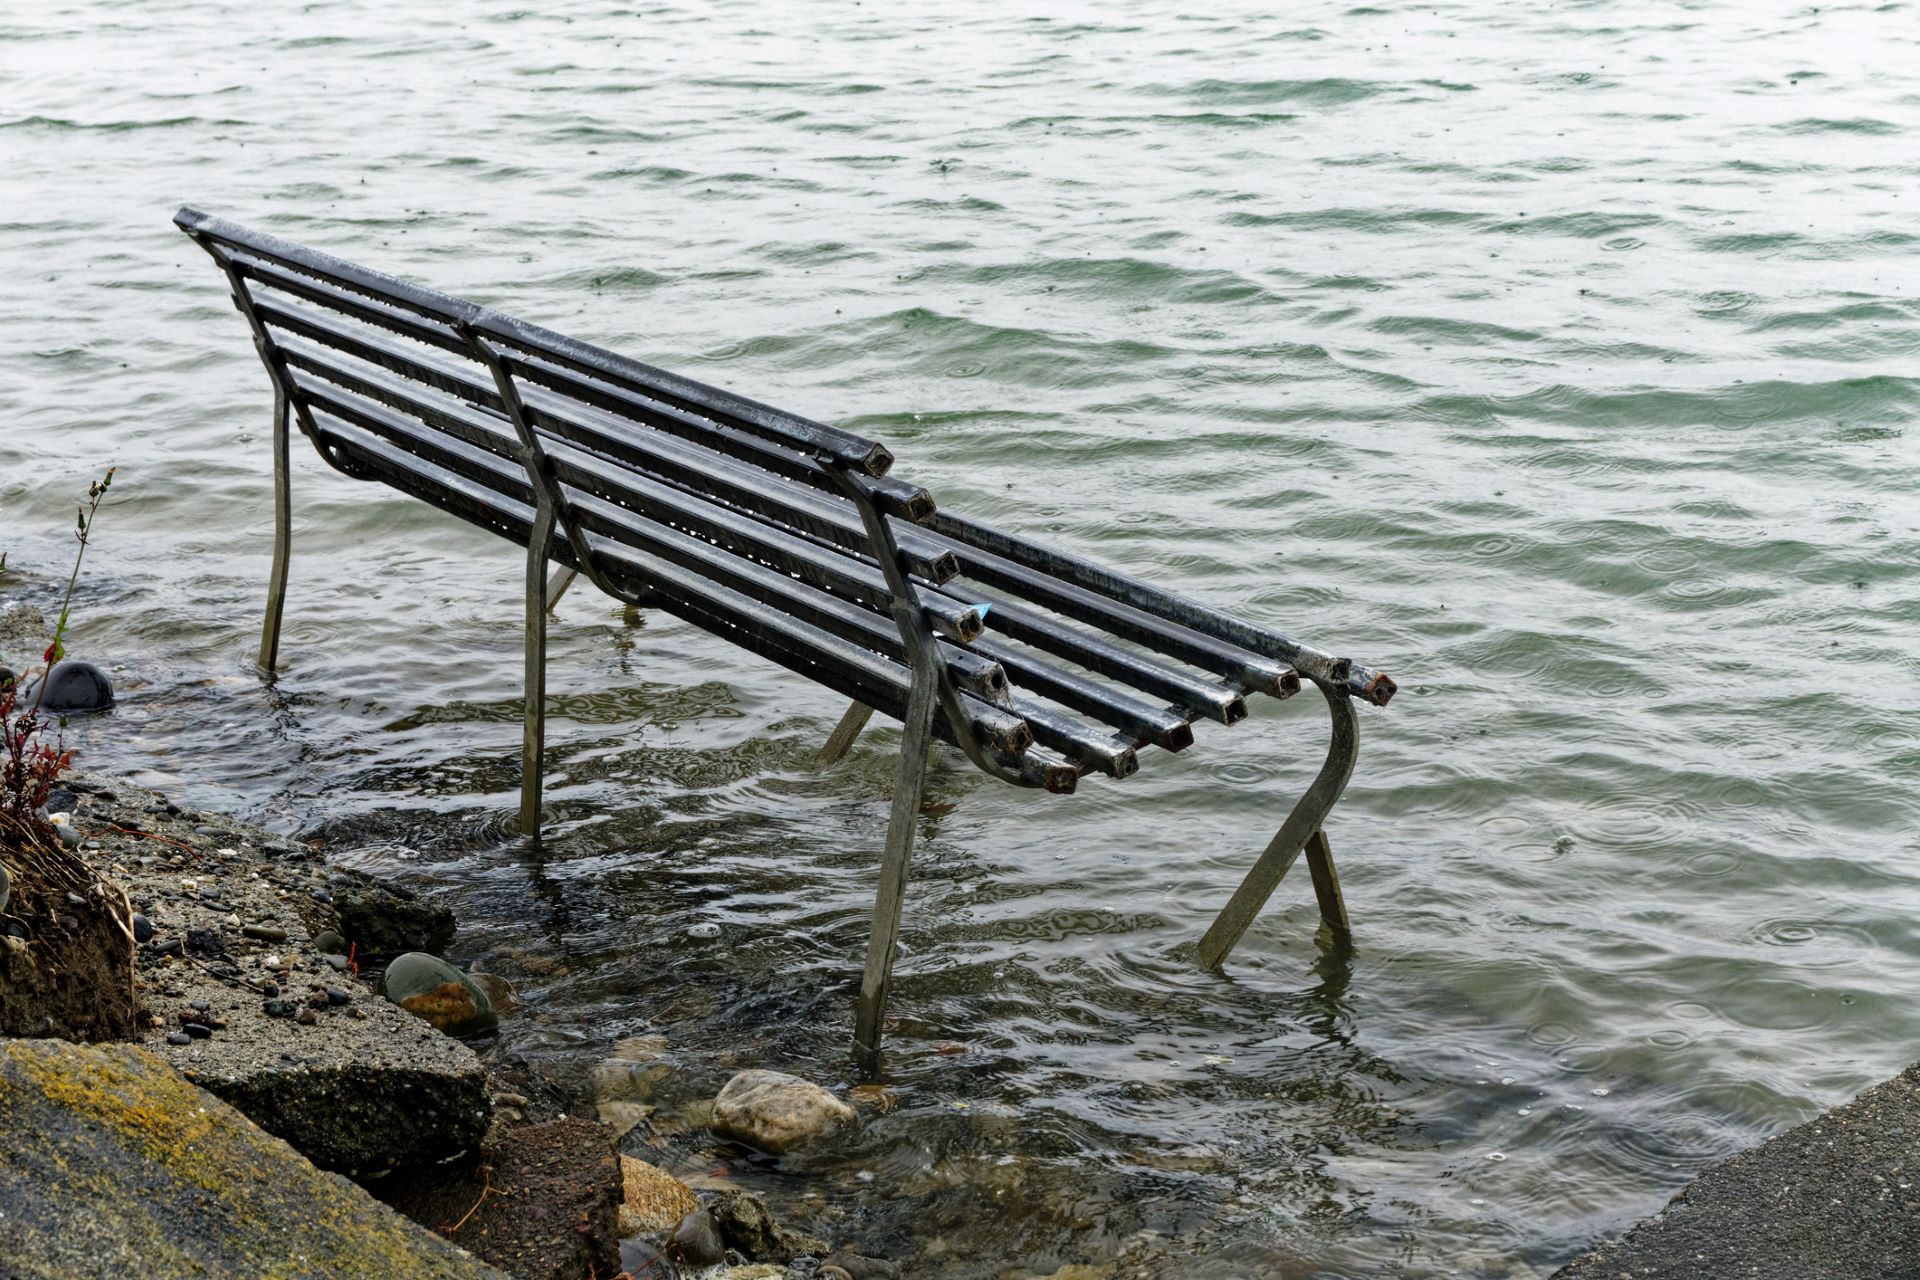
x=1557, y=358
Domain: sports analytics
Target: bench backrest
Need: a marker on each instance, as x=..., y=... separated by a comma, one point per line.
x=723, y=511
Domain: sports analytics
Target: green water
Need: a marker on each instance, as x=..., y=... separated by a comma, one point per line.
x=1558, y=359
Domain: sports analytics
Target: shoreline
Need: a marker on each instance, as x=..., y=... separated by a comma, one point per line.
x=244, y=1003
x=1834, y=1198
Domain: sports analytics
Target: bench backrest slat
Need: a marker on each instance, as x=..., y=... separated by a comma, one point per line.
x=789, y=430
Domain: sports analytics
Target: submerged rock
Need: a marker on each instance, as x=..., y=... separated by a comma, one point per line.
x=697, y=1243
x=860, y=1267
x=112, y=1164
x=652, y=1201
x=73, y=686
x=430, y=988
x=775, y=1111
x=745, y=1224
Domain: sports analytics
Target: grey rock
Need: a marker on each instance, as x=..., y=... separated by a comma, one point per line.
x=775, y=1111
x=142, y=928
x=265, y=932
x=131, y=1171
x=696, y=1241
x=72, y=687
x=744, y=1224
x=328, y=941
x=430, y=988
x=6, y=887
x=861, y=1267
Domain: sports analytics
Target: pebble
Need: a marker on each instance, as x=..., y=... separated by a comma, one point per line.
x=706, y=929
x=329, y=940
x=270, y=989
x=305, y=1017
x=179, y=1037
x=279, y=1009
x=336, y=996
x=265, y=932
x=339, y=963
x=201, y=1005
x=75, y=899
x=198, y=1030
x=142, y=928
x=171, y=947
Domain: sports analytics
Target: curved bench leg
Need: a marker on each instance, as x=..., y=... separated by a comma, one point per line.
x=840, y=741
x=282, y=532
x=533, y=741
x=1301, y=827
x=915, y=740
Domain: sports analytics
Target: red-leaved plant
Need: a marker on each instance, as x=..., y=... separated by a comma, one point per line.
x=29, y=766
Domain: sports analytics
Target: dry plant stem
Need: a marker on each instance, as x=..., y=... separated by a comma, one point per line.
x=486, y=1189
x=95, y=493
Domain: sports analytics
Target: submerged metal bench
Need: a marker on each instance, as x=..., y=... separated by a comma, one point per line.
x=785, y=536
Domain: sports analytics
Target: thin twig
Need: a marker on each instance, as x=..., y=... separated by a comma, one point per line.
x=486, y=1189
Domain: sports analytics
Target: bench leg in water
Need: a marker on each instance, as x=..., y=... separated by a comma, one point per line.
x=1326, y=886
x=840, y=741
x=915, y=741
x=557, y=585
x=533, y=742
x=1302, y=829
x=282, y=533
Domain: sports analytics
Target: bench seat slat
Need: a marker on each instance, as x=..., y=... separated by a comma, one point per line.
x=1132, y=592
x=688, y=465
x=682, y=462
x=1143, y=723
x=897, y=498
x=489, y=467
x=1179, y=686
x=845, y=667
x=1245, y=668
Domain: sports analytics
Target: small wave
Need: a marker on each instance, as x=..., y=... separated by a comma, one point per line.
x=1858, y=125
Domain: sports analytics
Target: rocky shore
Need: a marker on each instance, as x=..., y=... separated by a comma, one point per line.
x=278, y=1102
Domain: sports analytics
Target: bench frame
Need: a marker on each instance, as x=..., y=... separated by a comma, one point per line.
x=932, y=687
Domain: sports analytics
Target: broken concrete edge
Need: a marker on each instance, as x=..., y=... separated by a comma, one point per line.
x=247, y=1006
x=1834, y=1198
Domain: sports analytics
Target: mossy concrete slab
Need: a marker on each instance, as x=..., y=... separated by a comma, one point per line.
x=113, y=1165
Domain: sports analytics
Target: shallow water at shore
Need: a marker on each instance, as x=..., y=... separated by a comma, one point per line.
x=1558, y=360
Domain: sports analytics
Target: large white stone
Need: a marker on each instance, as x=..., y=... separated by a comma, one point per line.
x=775, y=1111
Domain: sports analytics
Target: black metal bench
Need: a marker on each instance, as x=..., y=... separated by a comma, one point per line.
x=785, y=536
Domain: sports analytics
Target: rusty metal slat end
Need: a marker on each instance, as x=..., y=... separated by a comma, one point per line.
x=1379, y=689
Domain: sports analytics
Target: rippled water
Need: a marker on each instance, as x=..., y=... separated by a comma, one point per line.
x=1558, y=359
